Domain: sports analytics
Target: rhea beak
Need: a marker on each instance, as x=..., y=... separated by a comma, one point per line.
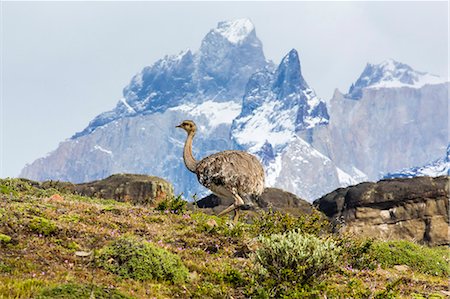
x=179, y=126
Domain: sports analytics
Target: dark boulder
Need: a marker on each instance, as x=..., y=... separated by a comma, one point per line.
x=134, y=188
x=409, y=208
x=272, y=198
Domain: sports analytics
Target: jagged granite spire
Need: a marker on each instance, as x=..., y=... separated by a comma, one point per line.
x=289, y=77
x=228, y=56
x=277, y=104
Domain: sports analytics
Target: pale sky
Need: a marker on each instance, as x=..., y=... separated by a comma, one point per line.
x=63, y=63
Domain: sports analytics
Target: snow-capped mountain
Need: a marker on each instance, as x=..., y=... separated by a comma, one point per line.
x=139, y=134
x=276, y=105
x=390, y=74
x=219, y=71
x=436, y=168
x=393, y=118
x=376, y=130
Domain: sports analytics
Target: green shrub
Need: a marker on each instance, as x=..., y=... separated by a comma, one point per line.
x=42, y=226
x=428, y=260
x=16, y=184
x=131, y=258
x=275, y=222
x=20, y=288
x=357, y=252
x=176, y=205
x=75, y=291
x=4, y=239
x=291, y=262
x=367, y=254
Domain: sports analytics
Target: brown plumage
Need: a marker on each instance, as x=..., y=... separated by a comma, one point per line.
x=228, y=174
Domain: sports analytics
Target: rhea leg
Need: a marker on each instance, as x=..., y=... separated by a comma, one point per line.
x=236, y=216
x=238, y=202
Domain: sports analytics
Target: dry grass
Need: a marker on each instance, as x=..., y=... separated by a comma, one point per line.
x=215, y=253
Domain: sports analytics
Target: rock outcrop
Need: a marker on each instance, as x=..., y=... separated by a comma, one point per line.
x=412, y=208
x=272, y=198
x=133, y=188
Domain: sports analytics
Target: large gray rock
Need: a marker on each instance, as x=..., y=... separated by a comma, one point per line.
x=413, y=209
x=133, y=188
x=272, y=198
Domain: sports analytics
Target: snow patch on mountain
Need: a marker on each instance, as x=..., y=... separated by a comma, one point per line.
x=435, y=168
x=101, y=149
x=235, y=31
x=217, y=112
x=272, y=125
x=303, y=170
x=344, y=178
x=391, y=74
x=276, y=105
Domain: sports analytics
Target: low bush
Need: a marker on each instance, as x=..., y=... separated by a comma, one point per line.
x=129, y=257
x=4, y=239
x=275, y=222
x=176, y=205
x=292, y=261
x=42, y=226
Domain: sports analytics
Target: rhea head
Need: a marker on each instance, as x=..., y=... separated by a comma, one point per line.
x=189, y=126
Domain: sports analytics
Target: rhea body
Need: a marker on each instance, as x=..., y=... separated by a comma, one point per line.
x=228, y=174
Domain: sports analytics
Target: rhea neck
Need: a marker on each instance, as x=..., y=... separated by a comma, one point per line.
x=189, y=159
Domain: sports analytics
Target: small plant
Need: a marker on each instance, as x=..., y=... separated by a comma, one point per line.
x=131, y=258
x=275, y=222
x=42, y=226
x=293, y=261
x=75, y=291
x=4, y=239
x=357, y=252
x=176, y=205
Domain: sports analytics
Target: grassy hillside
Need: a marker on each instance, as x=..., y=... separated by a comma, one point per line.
x=54, y=244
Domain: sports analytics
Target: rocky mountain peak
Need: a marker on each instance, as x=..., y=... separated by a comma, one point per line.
x=228, y=56
x=277, y=104
x=235, y=31
x=390, y=74
x=289, y=77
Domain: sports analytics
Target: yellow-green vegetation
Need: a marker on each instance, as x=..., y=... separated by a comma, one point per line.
x=42, y=226
x=174, y=205
x=75, y=291
x=130, y=257
x=54, y=244
x=4, y=239
x=293, y=260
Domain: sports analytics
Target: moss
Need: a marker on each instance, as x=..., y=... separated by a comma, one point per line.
x=4, y=239
x=367, y=254
x=424, y=259
x=75, y=291
x=20, y=288
x=129, y=257
x=42, y=226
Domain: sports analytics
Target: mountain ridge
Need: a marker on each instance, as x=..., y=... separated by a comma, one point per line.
x=240, y=100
